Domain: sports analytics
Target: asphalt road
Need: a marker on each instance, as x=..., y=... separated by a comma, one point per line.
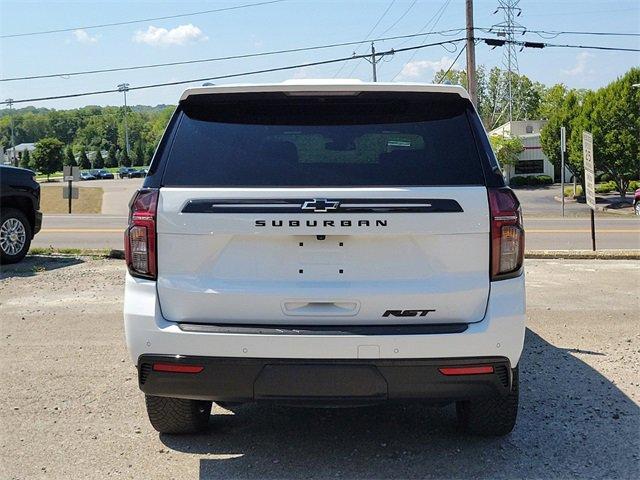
x=70, y=406
x=106, y=231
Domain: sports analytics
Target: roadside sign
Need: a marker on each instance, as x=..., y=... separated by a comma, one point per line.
x=563, y=139
x=589, y=181
x=74, y=192
x=70, y=174
x=589, y=177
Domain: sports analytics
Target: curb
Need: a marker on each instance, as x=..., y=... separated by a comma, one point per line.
x=583, y=254
x=601, y=208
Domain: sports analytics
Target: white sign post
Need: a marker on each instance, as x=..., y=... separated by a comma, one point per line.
x=589, y=181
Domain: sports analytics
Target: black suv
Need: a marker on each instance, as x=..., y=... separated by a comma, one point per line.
x=19, y=210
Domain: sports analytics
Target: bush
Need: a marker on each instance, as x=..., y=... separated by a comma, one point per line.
x=633, y=185
x=606, y=187
x=568, y=191
x=520, y=181
x=544, y=180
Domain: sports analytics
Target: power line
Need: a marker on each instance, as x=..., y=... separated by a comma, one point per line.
x=404, y=14
x=368, y=34
x=435, y=19
x=489, y=41
x=555, y=33
x=216, y=59
x=497, y=42
x=142, y=20
x=232, y=75
x=444, y=75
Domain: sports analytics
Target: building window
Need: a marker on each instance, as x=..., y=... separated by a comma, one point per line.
x=524, y=167
x=529, y=128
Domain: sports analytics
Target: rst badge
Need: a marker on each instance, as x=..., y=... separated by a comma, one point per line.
x=407, y=313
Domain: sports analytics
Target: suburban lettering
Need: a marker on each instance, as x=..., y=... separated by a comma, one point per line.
x=323, y=223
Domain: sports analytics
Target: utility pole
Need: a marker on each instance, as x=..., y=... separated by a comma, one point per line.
x=471, y=56
x=124, y=88
x=373, y=62
x=13, y=143
x=508, y=29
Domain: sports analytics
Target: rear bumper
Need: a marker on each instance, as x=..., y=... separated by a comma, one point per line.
x=321, y=381
x=499, y=334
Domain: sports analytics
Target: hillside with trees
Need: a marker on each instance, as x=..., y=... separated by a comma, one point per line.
x=88, y=130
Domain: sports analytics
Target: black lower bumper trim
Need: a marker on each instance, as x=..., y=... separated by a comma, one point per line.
x=251, y=329
x=322, y=381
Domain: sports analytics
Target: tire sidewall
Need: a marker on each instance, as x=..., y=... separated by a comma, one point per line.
x=18, y=215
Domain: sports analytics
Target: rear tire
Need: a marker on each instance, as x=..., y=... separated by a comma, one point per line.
x=490, y=417
x=15, y=235
x=178, y=415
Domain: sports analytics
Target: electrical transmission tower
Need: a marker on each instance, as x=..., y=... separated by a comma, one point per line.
x=508, y=29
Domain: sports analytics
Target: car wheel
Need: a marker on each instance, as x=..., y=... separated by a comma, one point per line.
x=636, y=208
x=15, y=235
x=178, y=415
x=490, y=417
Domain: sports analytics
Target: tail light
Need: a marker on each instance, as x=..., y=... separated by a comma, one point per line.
x=140, y=235
x=507, y=234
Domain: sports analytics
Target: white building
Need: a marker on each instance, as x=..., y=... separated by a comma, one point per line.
x=532, y=161
x=12, y=153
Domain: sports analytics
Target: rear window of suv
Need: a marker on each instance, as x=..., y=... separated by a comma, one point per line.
x=276, y=140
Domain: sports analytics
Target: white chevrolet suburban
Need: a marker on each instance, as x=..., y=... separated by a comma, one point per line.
x=325, y=243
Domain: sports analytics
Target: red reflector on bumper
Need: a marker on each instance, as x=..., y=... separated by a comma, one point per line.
x=466, y=370
x=176, y=368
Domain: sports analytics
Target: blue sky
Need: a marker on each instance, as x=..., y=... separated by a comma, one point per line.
x=289, y=24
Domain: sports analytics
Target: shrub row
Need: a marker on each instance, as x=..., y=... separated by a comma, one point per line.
x=532, y=180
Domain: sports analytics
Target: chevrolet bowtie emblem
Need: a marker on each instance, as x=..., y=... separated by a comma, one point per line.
x=320, y=205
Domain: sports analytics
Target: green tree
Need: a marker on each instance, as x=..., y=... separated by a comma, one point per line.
x=612, y=115
x=125, y=161
x=69, y=157
x=98, y=162
x=47, y=156
x=138, y=155
x=83, y=161
x=562, y=109
x=25, y=159
x=507, y=149
x=493, y=99
x=112, y=161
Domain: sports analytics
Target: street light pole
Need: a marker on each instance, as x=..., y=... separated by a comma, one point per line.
x=124, y=88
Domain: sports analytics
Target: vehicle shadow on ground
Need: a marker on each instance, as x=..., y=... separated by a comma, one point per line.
x=34, y=264
x=573, y=422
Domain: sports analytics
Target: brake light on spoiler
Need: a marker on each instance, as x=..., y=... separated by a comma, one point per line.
x=140, y=235
x=507, y=234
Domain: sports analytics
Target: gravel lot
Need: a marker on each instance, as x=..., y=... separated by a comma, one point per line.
x=70, y=406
